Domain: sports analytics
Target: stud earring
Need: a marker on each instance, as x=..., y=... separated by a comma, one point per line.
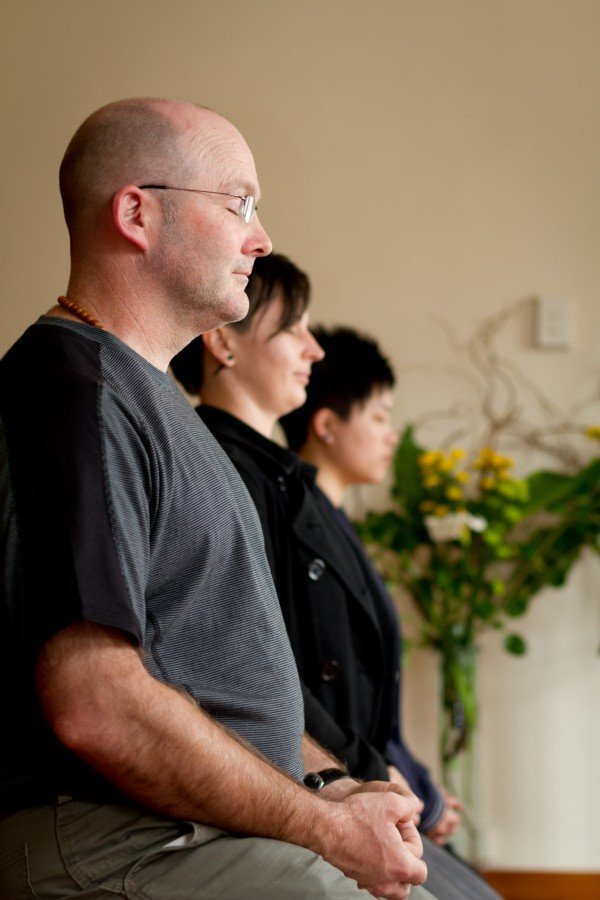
x=326, y=438
x=230, y=357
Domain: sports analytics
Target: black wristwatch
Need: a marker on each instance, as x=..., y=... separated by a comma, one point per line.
x=316, y=781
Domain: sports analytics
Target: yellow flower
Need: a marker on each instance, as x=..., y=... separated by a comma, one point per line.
x=485, y=458
x=427, y=506
x=489, y=460
x=431, y=481
x=457, y=453
x=446, y=465
x=488, y=483
x=454, y=492
x=441, y=510
x=430, y=458
x=593, y=432
x=462, y=477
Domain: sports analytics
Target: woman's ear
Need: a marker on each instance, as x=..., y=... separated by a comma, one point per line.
x=323, y=424
x=218, y=343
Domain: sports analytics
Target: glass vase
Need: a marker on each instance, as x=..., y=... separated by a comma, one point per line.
x=458, y=712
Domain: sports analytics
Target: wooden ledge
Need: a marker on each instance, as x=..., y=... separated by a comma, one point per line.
x=545, y=885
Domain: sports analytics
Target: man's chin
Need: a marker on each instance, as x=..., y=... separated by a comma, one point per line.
x=221, y=310
x=236, y=309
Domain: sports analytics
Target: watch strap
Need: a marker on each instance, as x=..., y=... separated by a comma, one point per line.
x=316, y=781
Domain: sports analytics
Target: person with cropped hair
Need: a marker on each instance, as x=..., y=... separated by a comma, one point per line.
x=345, y=430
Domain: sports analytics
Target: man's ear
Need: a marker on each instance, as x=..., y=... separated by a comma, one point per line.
x=132, y=210
x=323, y=424
x=218, y=344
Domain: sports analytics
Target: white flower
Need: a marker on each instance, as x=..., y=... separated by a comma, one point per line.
x=450, y=527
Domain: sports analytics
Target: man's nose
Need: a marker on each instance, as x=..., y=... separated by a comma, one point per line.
x=258, y=242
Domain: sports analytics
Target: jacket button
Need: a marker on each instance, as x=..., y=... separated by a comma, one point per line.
x=316, y=569
x=331, y=670
x=281, y=483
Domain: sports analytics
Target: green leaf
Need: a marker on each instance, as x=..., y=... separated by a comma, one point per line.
x=492, y=536
x=515, y=644
x=465, y=538
x=550, y=490
x=545, y=488
x=516, y=606
x=408, y=486
x=484, y=609
x=512, y=490
x=443, y=579
x=505, y=552
x=512, y=513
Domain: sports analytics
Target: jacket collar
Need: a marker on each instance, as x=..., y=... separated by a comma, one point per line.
x=276, y=459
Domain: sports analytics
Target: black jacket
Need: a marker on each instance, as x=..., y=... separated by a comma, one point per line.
x=341, y=623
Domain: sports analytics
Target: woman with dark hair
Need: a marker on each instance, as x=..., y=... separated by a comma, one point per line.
x=345, y=430
x=343, y=633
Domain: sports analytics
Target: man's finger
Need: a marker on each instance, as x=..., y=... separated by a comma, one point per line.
x=411, y=837
x=388, y=787
x=394, y=788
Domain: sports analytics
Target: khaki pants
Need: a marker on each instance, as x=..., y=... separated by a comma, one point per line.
x=76, y=849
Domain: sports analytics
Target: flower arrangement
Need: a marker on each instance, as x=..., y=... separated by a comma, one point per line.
x=471, y=542
x=473, y=545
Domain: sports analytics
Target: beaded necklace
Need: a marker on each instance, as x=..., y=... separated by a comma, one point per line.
x=80, y=313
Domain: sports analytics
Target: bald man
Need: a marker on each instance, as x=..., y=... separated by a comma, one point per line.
x=152, y=726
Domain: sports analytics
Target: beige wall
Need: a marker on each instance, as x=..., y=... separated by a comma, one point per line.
x=425, y=158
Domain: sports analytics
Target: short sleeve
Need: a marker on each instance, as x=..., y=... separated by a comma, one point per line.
x=80, y=478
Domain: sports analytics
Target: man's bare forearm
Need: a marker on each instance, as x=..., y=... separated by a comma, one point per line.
x=316, y=757
x=168, y=755
x=156, y=746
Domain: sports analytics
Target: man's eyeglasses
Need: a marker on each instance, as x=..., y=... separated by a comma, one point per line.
x=247, y=208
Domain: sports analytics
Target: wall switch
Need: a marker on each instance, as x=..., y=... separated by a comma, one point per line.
x=553, y=326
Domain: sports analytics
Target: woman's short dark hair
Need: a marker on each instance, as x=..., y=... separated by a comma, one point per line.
x=353, y=367
x=272, y=276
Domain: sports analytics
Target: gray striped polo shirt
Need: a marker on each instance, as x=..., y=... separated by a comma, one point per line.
x=118, y=507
